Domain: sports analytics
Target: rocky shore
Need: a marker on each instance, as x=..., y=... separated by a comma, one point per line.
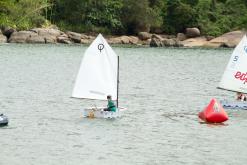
x=191, y=38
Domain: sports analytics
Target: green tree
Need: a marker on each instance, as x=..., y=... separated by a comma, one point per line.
x=139, y=16
x=22, y=14
x=85, y=15
x=179, y=16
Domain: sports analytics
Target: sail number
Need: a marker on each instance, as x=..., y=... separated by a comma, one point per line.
x=235, y=59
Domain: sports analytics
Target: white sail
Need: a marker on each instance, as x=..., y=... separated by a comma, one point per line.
x=235, y=75
x=97, y=76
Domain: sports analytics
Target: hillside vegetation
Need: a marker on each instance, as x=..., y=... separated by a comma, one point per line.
x=212, y=17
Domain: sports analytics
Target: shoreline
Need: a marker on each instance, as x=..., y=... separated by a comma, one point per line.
x=191, y=39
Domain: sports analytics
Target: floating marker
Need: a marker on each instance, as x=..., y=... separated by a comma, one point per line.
x=213, y=113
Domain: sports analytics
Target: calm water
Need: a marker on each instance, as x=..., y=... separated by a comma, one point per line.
x=163, y=89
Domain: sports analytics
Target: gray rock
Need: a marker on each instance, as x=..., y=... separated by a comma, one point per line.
x=133, y=40
x=195, y=42
x=63, y=39
x=3, y=38
x=209, y=38
x=21, y=36
x=156, y=43
x=230, y=39
x=84, y=36
x=178, y=43
x=181, y=36
x=114, y=40
x=125, y=39
x=192, y=32
x=50, y=39
x=157, y=37
x=213, y=45
x=49, y=35
x=36, y=39
x=85, y=41
x=144, y=35
x=169, y=42
x=76, y=37
x=46, y=32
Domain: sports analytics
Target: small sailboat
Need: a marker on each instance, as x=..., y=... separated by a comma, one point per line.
x=3, y=120
x=98, y=77
x=235, y=75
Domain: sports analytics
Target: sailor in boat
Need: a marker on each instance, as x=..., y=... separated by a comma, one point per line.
x=241, y=97
x=110, y=106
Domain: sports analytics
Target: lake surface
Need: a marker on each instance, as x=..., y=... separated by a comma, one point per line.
x=163, y=89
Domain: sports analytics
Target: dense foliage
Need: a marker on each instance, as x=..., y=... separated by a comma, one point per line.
x=23, y=14
x=212, y=17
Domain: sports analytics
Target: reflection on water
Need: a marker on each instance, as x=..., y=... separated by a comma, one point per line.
x=163, y=90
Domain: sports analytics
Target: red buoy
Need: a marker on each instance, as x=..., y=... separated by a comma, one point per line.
x=213, y=113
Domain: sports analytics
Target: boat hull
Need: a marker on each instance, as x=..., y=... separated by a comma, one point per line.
x=99, y=113
x=3, y=120
x=234, y=104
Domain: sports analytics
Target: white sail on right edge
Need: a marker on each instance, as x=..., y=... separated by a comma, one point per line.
x=97, y=76
x=235, y=75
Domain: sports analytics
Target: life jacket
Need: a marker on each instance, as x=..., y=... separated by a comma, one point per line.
x=111, y=106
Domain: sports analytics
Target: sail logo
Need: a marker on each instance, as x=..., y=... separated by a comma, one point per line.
x=245, y=49
x=241, y=76
x=216, y=108
x=101, y=47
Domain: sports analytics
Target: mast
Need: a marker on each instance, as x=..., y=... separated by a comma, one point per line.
x=117, y=78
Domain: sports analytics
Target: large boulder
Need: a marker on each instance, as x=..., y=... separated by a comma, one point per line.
x=49, y=34
x=133, y=40
x=76, y=37
x=36, y=39
x=192, y=32
x=114, y=40
x=123, y=40
x=47, y=31
x=230, y=39
x=195, y=42
x=21, y=36
x=144, y=35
